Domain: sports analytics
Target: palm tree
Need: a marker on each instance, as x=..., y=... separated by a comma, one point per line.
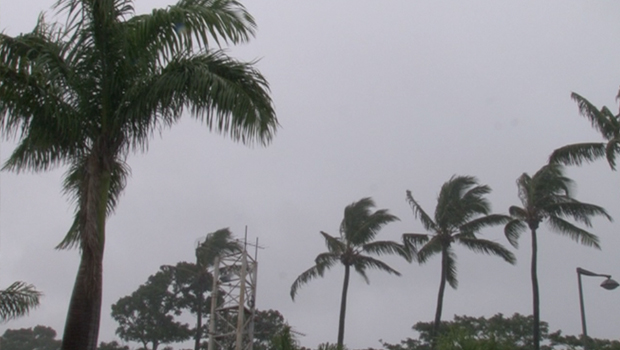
x=88, y=93
x=462, y=211
x=606, y=123
x=17, y=300
x=358, y=229
x=546, y=196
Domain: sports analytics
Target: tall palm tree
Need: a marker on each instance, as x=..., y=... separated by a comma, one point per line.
x=88, y=93
x=606, y=123
x=17, y=300
x=546, y=196
x=461, y=212
x=358, y=230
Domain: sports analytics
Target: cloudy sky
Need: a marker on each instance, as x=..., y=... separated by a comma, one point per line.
x=374, y=98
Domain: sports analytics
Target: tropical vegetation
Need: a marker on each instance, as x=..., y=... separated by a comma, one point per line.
x=606, y=123
x=462, y=211
x=352, y=248
x=547, y=197
x=17, y=300
x=91, y=91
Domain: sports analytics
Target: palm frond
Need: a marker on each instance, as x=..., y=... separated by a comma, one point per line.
x=611, y=149
x=488, y=247
x=451, y=271
x=517, y=212
x=229, y=96
x=196, y=23
x=414, y=240
x=360, y=224
x=600, y=121
x=323, y=262
x=432, y=247
x=577, y=234
x=334, y=245
x=513, y=230
x=478, y=224
x=577, y=154
x=579, y=211
x=387, y=248
x=17, y=300
x=217, y=244
x=418, y=212
x=363, y=262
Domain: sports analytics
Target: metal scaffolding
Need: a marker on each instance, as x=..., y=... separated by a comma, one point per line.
x=231, y=325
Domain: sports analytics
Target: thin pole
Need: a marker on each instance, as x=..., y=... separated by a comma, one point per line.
x=584, y=329
x=216, y=286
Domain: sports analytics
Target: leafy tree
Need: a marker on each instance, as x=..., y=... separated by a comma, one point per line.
x=17, y=300
x=148, y=315
x=113, y=345
x=358, y=229
x=270, y=329
x=193, y=281
x=284, y=340
x=546, y=196
x=39, y=338
x=461, y=212
x=88, y=93
x=496, y=332
x=606, y=123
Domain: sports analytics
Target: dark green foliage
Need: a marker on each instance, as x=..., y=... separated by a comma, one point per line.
x=606, y=123
x=495, y=333
x=462, y=211
x=113, y=345
x=89, y=91
x=147, y=316
x=352, y=249
x=37, y=338
x=547, y=197
x=17, y=300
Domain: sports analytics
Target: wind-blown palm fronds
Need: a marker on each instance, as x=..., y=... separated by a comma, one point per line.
x=88, y=93
x=17, y=300
x=546, y=196
x=461, y=212
x=606, y=123
x=358, y=229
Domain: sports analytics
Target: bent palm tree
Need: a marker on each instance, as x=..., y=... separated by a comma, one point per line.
x=216, y=244
x=461, y=212
x=358, y=229
x=17, y=300
x=89, y=93
x=605, y=122
x=546, y=196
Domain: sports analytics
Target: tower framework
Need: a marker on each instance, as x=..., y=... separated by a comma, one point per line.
x=231, y=325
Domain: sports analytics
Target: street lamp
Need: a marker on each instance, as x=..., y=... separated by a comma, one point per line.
x=608, y=284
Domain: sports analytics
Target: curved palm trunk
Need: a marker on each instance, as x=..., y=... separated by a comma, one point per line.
x=343, y=307
x=442, y=288
x=82, y=325
x=536, y=300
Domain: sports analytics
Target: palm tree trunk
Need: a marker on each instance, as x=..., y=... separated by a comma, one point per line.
x=82, y=325
x=442, y=288
x=343, y=307
x=536, y=300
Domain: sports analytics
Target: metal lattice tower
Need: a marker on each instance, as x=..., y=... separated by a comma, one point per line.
x=231, y=324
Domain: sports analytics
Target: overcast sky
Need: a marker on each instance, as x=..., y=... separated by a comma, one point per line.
x=374, y=98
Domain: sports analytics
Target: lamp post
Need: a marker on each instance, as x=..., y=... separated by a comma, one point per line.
x=608, y=284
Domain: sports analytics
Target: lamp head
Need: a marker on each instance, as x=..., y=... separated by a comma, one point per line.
x=609, y=284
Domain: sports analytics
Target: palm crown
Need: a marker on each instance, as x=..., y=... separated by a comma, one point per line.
x=353, y=248
x=546, y=196
x=461, y=212
x=88, y=93
x=606, y=123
